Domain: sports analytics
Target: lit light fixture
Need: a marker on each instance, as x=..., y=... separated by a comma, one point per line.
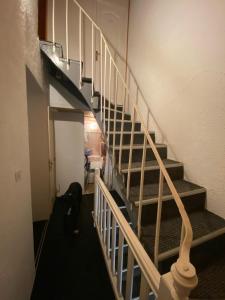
x=93, y=125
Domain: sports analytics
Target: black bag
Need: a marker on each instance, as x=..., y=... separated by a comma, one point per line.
x=72, y=200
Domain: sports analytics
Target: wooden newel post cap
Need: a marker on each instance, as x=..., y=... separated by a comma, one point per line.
x=185, y=278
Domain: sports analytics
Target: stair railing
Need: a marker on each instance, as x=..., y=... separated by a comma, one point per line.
x=183, y=274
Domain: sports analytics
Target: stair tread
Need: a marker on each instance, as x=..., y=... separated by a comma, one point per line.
x=129, y=132
x=211, y=280
x=151, y=190
x=150, y=164
x=203, y=222
x=138, y=146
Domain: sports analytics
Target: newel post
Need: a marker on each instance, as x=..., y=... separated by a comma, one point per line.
x=184, y=278
x=179, y=282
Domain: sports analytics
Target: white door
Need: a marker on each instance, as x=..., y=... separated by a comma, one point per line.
x=69, y=149
x=51, y=160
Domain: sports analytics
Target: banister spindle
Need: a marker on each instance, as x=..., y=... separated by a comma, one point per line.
x=92, y=59
x=158, y=219
x=101, y=87
x=144, y=289
x=120, y=262
x=121, y=130
x=104, y=220
x=80, y=44
x=114, y=121
x=141, y=186
x=108, y=230
x=109, y=99
x=67, y=36
x=131, y=152
x=130, y=275
x=53, y=24
x=105, y=67
x=113, y=252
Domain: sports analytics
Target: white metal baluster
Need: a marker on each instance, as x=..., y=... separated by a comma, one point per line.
x=113, y=257
x=80, y=44
x=108, y=230
x=158, y=220
x=121, y=130
x=53, y=24
x=92, y=59
x=101, y=78
x=131, y=152
x=120, y=262
x=130, y=275
x=104, y=220
x=144, y=289
x=141, y=186
x=67, y=37
x=101, y=214
x=99, y=207
x=114, y=123
x=96, y=203
x=109, y=100
x=105, y=65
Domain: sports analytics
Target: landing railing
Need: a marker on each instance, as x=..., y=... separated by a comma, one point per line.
x=112, y=87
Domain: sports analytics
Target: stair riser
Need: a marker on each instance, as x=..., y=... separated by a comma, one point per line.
x=138, y=138
x=199, y=255
x=153, y=176
x=118, y=107
x=118, y=115
x=137, y=154
x=170, y=210
x=127, y=126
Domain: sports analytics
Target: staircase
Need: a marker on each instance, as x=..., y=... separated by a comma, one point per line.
x=151, y=191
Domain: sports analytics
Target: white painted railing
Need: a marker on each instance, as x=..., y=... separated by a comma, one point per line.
x=182, y=272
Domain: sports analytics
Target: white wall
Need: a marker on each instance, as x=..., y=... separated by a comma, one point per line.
x=39, y=150
x=69, y=149
x=176, y=51
x=18, y=34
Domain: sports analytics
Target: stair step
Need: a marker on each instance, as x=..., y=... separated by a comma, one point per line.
x=205, y=225
x=127, y=125
x=150, y=192
x=137, y=151
x=119, y=115
x=112, y=105
x=138, y=137
x=192, y=196
x=151, y=169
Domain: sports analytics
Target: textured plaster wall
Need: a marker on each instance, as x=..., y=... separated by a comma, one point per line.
x=176, y=51
x=16, y=241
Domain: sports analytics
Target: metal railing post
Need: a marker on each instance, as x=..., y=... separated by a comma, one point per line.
x=80, y=44
x=67, y=37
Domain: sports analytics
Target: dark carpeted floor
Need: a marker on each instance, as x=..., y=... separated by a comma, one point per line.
x=38, y=228
x=72, y=268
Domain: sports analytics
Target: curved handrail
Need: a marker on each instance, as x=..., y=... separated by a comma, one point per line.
x=188, y=235
x=182, y=271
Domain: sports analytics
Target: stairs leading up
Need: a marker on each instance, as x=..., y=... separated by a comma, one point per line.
x=207, y=253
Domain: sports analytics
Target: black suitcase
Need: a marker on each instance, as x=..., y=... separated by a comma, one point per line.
x=72, y=201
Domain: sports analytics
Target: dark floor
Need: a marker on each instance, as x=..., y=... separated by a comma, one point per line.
x=72, y=268
x=38, y=228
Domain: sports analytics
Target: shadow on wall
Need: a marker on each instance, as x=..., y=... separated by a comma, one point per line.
x=37, y=102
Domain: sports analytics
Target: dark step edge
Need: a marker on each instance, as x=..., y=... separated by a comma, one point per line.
x=152, y=168
x=207, y=237
x=170, y=197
